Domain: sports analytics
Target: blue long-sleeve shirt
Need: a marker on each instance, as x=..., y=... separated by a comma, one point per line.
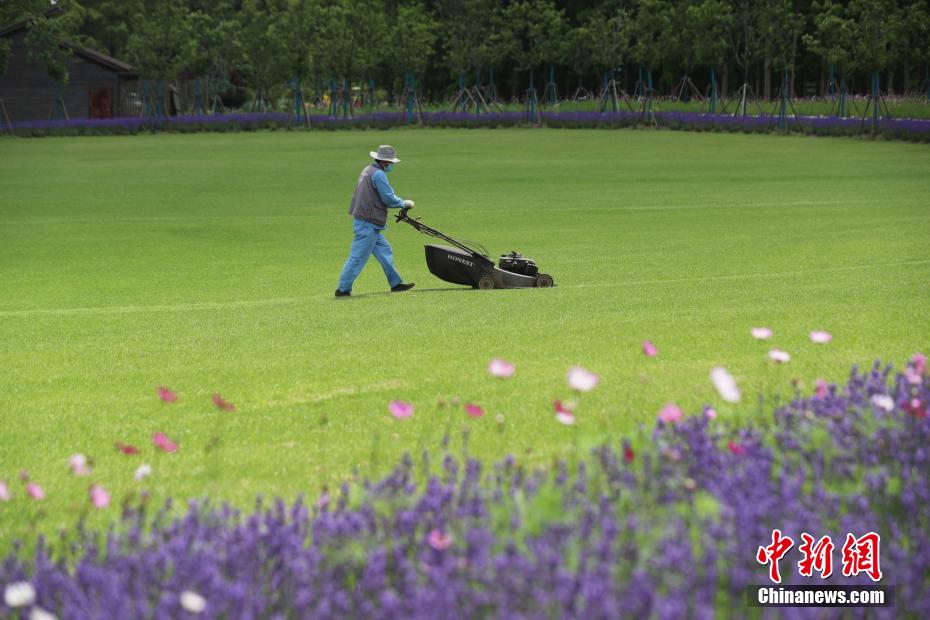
x=388, y=197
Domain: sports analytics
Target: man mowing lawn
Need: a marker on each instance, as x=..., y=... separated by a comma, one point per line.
x=372, y=198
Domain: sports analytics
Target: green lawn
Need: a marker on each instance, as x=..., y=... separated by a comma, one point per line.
x=207, y=263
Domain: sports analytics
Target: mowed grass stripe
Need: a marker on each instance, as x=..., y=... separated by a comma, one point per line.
x=207, y=263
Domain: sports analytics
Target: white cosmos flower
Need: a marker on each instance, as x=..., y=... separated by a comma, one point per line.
x=19, y=594
x=193, y=602
x=37, y=613
x=777, y=355
x=143, y=471
x=582, y=380
x=883, y=402
x=725, y=384
x=761, y=333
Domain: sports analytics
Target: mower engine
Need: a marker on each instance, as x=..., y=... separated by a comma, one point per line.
x=517, y=263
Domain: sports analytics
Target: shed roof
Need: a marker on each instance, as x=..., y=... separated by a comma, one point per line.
x=92, y=55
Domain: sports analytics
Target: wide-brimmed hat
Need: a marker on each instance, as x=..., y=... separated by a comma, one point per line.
x=385, y=152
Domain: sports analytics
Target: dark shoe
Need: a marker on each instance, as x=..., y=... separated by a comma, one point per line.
x=342, y=293
x=400, y=288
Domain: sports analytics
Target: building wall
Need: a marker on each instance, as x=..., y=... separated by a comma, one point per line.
x=28, y=93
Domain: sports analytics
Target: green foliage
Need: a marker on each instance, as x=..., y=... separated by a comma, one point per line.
x=47, y=38
x=652, y=32
x=780, y=26
x=413, y=38
x=707, y=25
x=472, y=34
x=834, y=35
x=611, y=32
x=875, y=24
x=162, y=42
x=105, y=26
x=533, y=29
x=263, y=44
x=351, y=38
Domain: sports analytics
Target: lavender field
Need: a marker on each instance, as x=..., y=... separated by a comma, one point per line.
x=665, y=523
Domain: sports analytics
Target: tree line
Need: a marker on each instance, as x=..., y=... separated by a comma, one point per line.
x=440, y=47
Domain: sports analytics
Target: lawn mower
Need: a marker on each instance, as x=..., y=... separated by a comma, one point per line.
x=470, y=264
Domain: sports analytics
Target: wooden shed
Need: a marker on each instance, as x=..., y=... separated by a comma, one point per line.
x=97, y=87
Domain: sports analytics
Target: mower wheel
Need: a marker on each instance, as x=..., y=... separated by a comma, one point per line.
x=486, y=283
x=544, y=280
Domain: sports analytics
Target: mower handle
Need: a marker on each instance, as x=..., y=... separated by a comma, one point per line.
x=402, y=215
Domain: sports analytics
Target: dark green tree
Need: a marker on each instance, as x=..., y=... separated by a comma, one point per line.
x=707, y=25
x=832, y=40
x=533, y=28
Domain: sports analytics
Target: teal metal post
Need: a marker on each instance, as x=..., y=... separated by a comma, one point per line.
x=462, y=100
x=783, y=104
x=831, y=84
x=298, y=102
x=551, y=98
x=198, y=99
x=146, y=108
x=159, y=111
x=843, y=95
x=477, y=92
x=531, y=100
x=59, y=109
x=346, y=97
x=875, y=101
x=649, y=86
x=333, y=110
x=713, y=92
x=410, y=85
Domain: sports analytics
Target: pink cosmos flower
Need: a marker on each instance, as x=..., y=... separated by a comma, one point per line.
x=822, y=388
x=649, y=349
x=736, y=449
x=582, y=380
x=500, y=368
x=439, y=541
x=725, y=384
x=670, y=414
x=222, y=404
x=761, y=333
x=628, y=454
x=919, y=363
x=563, y=413
x=400, y=410
x=35, y=491
x=79, y=465
x=99, y=496
x=917, y=408
x=821, y=337
x=779, y=356
x=166, y=395
x=162, y=442
x=4, y=491
x=913, y=377
x=474, y=410
x=710, y=413
x=126, y=449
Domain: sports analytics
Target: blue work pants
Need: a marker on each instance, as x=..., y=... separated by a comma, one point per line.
x=368, y=240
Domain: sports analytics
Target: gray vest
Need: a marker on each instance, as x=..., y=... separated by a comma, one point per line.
x=366, y=202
